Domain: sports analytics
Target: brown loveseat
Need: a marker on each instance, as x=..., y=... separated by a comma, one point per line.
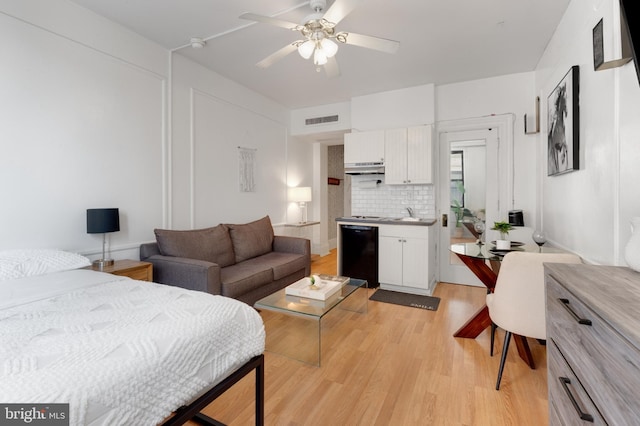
x=245, y=262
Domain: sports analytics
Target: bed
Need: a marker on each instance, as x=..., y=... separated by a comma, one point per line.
x=117, y=350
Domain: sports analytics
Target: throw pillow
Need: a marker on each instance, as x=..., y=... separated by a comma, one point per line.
x=208, y=244
x=251, y=239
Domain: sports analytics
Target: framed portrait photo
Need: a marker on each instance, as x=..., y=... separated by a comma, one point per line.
x=563, y=142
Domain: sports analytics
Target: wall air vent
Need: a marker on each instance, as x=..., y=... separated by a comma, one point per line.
x=320, y=120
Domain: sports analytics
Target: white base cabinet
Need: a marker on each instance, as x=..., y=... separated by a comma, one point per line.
x=405, y=261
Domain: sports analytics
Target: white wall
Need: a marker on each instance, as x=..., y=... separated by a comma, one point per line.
x=212, y=117
x=629, y=136
x=85, y=123
x=300, y=173
x=83, y=126
x=588, y=211
x=299, y=117
x=412, y=106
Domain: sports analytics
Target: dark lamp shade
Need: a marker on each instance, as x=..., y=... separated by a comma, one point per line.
x=100, y=221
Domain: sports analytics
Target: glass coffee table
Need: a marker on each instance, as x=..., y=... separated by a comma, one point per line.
x=294, y=324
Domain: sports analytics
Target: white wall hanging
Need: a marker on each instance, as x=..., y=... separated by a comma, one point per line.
x=247, y=169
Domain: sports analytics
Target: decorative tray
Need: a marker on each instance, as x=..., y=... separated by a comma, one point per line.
x=324, y=287
x=503, y=252
x=513, y=243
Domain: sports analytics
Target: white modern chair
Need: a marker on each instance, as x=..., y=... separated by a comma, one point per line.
x=517, y=304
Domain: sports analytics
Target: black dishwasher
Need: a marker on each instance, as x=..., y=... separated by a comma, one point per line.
x=359, y=253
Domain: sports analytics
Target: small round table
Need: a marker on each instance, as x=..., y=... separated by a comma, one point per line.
x=485, y=265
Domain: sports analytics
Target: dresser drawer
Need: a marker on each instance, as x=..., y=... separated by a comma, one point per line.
x=570, y=401
x=606, y=365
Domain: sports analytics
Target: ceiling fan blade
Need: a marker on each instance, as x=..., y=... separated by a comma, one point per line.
x=339, y=9
x=331, y=68
x=277, y=55
x=269, y=20
x=376, y=43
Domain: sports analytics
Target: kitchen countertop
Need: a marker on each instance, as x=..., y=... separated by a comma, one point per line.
x=386, y=220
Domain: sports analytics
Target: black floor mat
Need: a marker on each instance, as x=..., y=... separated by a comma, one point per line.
x=414, y=300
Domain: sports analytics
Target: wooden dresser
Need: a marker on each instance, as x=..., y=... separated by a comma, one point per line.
x=593, y=344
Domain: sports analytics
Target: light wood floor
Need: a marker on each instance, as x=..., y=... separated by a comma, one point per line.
x=397, y=366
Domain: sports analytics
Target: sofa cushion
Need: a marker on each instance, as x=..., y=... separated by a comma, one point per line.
x=244, y=277
x=283, y=264
x=209, y=244
x=251, y=239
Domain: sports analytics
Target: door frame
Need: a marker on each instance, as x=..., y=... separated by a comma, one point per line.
x=504, y=124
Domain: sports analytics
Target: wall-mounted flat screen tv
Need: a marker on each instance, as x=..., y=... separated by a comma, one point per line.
x=633, y=30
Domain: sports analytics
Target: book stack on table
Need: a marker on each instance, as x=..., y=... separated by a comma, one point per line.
x=323, y=288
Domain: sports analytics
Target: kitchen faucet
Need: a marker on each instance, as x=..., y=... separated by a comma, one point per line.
x=410, y=210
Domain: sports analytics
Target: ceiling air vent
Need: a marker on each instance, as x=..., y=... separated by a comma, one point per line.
x=320, y=120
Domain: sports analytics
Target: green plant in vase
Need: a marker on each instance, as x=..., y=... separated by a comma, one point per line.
x=503, y=228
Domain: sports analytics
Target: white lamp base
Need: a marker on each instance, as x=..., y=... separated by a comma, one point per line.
x=303, y=212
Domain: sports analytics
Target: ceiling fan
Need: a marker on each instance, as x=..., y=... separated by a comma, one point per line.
x=319, y=35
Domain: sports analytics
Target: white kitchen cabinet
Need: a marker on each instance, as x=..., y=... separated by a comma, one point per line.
x=364, y=147
x=408, y=156
x=389, y=259
x=406, y=259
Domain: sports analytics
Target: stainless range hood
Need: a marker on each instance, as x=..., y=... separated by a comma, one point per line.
x=375, y=168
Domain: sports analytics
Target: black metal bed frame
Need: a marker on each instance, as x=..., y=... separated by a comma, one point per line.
x=192, y=411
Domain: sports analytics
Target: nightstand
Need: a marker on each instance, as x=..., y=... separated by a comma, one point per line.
x=135, y=269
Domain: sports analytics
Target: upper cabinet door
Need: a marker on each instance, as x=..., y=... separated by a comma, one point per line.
x=419, y=155
x=408, y=154
x=395, y=153
x=364, y=147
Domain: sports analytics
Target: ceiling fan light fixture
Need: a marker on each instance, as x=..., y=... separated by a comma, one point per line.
x=320, y=37
x=319, y=57
x=306, y=49
x=329, y=47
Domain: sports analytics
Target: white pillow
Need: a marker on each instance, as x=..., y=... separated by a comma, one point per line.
x=28, y=262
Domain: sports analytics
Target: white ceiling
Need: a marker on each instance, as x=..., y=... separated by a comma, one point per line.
x=441, y=41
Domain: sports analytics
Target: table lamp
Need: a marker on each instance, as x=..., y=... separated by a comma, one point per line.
x=101, y=221
x=301, y=195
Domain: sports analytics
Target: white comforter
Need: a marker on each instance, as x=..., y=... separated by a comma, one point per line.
x=119, y=351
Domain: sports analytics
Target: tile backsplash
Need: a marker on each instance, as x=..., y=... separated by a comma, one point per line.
x=372, y=198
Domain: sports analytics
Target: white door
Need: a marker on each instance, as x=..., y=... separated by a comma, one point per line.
x=468, y=191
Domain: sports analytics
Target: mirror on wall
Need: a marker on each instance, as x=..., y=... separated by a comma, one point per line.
x=469, y=186
x=467, y=174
